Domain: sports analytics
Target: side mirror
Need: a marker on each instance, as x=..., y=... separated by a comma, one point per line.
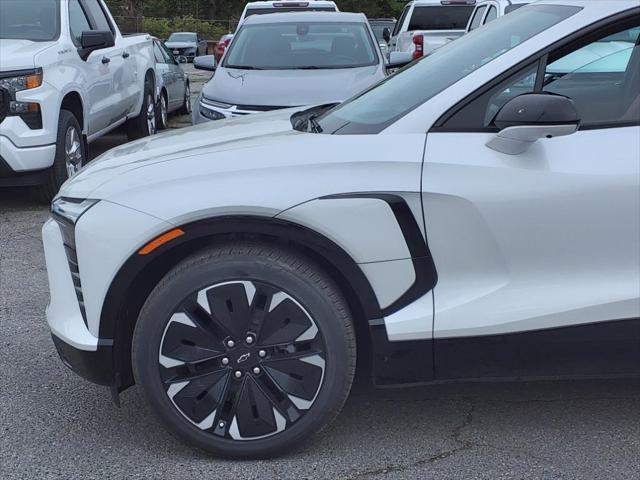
x=205, y=62
x=91, y=40
x=527, y=118
x=399, y=60
x=386, y=34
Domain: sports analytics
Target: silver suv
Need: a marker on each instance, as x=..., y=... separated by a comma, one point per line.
x=289, y=60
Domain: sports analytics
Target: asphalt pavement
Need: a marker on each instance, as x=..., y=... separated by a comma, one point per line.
x=56, y=425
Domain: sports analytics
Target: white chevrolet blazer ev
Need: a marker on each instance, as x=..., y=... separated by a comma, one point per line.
x=474, y=216
x=67, y=77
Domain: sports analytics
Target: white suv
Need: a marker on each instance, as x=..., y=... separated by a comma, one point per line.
x=476, y=215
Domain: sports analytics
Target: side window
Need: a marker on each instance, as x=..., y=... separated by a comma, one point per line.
x=168, y=54
x=477, y=17
x=492, y=15
x=78, y=21
x=98, y=15
x=157, y=52
x=401, y=21
x=601, y=77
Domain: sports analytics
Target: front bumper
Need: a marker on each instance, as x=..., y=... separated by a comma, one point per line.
x=97, y=367
x=204, y=110
x=85, y=354
x=23, y=165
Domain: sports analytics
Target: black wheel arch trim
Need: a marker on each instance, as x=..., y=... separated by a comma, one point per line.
x=117, y=324
x=423, y=264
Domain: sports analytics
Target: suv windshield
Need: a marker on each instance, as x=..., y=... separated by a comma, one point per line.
x=440, y=18
x=289, y=46
x=35, y=20
x=377, y=108
x=182, y=37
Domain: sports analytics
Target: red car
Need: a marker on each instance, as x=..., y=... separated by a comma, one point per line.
x=222, y=45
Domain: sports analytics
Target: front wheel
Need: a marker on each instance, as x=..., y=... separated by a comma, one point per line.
x=69, y=158
x=186, y=105
x=245, y=350
x=144, y=124
x=162, y=120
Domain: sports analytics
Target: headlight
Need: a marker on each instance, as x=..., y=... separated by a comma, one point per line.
x=22, y=80
x=71, y=209
x=18, y=82
x=66, y=212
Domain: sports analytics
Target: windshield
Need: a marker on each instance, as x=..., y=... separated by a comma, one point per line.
x=182, y=37
x=380, y=106
x=288, y=46
x=35, y=20
x=440, y=18
x=513, y=7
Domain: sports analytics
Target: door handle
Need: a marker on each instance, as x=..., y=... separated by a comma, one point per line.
x=125, y=55
x=105, y=60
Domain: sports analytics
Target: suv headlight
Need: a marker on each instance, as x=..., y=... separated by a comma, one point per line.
x=18, y=82
x=66, y=212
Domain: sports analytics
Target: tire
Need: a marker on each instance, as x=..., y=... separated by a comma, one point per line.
x=186, y=105
x=70, y=156
x=162, y=112
x=224, y=412
x=144, y=124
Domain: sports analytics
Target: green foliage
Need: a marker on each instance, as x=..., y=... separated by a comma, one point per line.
x=212, y=18
x=162, y=27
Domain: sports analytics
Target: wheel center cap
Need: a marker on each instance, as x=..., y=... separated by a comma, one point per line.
x=243, y=358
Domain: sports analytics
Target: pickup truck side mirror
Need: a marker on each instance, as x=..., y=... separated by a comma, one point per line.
x=205, y=62
x=386, y=34
x=91, y=40
x=525, y=119
x=399, y=60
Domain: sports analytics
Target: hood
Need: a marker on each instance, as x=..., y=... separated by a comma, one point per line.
x=20, y=54
x=202, y=141
x=289, y=88
x=171, y=45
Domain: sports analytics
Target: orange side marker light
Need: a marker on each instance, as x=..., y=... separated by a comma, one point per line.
x=161, y=240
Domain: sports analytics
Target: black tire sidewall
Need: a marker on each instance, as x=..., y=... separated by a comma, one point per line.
x=165, y=300
x=57, y=173
x=160, y=123
x=138, y=127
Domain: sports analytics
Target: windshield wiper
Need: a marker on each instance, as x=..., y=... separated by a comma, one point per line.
x=314, y=125
x=243, y=67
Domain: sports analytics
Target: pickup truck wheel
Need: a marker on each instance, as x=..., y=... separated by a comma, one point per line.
x=144, y=124
x=186, y=106
x=162, y=112
x=245, y=349
x=70, y=156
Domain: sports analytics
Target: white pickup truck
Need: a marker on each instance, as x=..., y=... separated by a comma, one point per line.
x=426, y=25
x=67, y=77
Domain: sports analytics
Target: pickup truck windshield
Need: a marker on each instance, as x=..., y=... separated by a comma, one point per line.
x=440, y=18
x=291, y=46
x=182, y=37
x=35, y=20
x=380, y=106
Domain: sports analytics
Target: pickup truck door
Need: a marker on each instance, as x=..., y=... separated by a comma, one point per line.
x=398, y=28
x=103, y=69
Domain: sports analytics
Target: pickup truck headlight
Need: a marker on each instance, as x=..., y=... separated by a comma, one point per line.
x=18, y=82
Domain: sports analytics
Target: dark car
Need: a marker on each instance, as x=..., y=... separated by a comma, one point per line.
x=186, y=45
